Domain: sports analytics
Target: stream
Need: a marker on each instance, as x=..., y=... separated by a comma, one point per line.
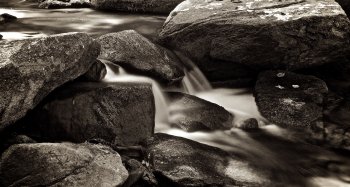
x=270, y=148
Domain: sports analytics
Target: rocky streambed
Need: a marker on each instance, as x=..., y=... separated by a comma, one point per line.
x=174, y=93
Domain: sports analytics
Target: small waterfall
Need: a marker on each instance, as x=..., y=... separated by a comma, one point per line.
x=117, y=74
x=194, y=80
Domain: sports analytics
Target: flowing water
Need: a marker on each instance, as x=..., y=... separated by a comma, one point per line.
x=269, y=148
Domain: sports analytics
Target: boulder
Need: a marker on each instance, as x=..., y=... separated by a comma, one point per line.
x=181, y=162
x=5, y=18
x=119, y=113
x=242, y=37
x=1, y=37
x=249, y=124
x=96, y=73
x=65, y=4
x=290, y=99
x=30, y=69
x=194, y=114
x=61, y=164
x=144, y=6
x=136, y=53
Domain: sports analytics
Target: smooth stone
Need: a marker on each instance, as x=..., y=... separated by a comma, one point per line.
x=5, y=18
x=61, y=164
x=53, y=4
x=136, y=53
x=257, y=35
x=119, y=113
x=142, y=6
x=191, y=113
x=32, y=68
x=178, y=161
x=290, y=99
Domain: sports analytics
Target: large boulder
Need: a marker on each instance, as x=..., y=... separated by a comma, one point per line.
x=136, y=53
x=181, y=162
x=237, y=38
x=119, y=113
x=194, y=114
x=61, y=164
x=64, y=4
x=30, y=69
x=290, y=99
x=148, y=6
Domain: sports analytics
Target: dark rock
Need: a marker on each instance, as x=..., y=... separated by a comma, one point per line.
x=119, y=113
x=329, y=135
x=345, y=4
x=53, y=4
x=257, y=35
x=5, y=18
x=96, y=73
x=181, y=162
x=7, y=140
x=61, y=164
x=139, y=175
x=250, y=123
x=194, y=114
x=154, y=6
x=136, y=53
x=1, y=37
x=31, y=69
x=290, y=99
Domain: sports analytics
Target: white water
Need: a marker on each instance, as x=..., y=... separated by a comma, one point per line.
x=161, y=102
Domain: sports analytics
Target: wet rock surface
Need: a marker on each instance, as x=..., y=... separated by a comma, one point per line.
x=145, y=6
x=61, y=164
x=96, y=72
x=290, y=99
x=136, y=53
x=191, y=113
x=119, y=113
x=32, y=68
x=258, y=35
x=64, y=4
x=182, y=162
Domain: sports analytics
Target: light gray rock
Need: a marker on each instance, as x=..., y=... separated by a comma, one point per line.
x=30, y=69
x=136, y=53
x=61, y=164
x=247, y=35
x=65, y=4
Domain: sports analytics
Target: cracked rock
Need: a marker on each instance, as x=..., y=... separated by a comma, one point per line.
x=295, y=106
x=119, y=113
x=250, y=35
x=61, y=164
x=30, y=69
